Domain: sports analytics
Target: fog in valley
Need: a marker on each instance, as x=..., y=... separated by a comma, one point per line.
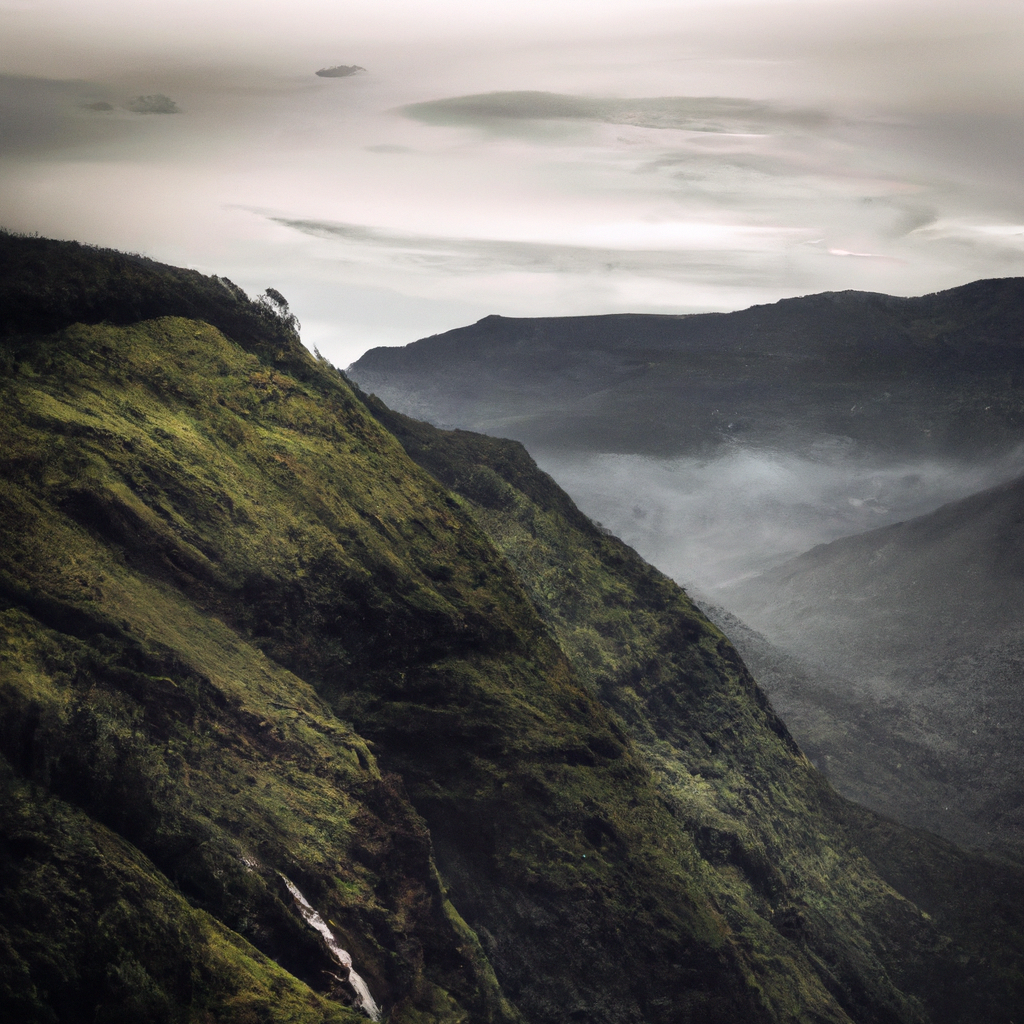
x=709, y=522
x=898, y=666
x=835, y=479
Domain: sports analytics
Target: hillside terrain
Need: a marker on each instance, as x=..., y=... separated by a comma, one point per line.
x=283, y=673
x=869, y=748
x=923, y=619
x=722, y=446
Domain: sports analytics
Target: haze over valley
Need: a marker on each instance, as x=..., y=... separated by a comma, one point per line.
x=719, y=445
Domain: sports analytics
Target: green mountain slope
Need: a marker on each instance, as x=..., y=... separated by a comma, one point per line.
x=135, y=686
x=855, y=740
x=247, y=640
x=722, y=445
x=788, y=846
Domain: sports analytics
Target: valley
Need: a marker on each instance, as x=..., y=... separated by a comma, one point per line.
x=289, y=679
x=724, y=446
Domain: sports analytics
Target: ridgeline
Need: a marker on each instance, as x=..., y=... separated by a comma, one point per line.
x=257, y=629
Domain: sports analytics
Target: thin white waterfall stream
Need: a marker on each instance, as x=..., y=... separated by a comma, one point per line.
x=364, y=1000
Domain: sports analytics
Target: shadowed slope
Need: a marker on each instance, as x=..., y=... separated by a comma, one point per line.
x=737, y=782
x=193, y=535
x=244, y=635
x=924, y=618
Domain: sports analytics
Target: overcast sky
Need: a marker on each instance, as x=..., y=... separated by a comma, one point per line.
x=522, y=157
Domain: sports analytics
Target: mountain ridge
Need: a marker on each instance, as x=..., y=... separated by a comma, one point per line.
x=246, y=636
x=670, y=386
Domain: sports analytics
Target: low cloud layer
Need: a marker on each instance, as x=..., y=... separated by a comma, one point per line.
x=708, y=523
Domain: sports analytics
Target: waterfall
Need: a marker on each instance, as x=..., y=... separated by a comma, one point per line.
x=364, y=1000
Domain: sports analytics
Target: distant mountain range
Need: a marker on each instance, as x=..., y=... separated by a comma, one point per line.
x=879, y=376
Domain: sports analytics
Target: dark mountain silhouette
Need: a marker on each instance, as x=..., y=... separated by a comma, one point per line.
x=936, y=375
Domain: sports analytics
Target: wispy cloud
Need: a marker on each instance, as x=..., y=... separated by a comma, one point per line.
x=702, y=246
x=497, y=111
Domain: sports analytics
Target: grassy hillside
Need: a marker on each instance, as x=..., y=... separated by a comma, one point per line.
x=788, y=849
x=856, y=740
x=519, y=776
x=145, y=494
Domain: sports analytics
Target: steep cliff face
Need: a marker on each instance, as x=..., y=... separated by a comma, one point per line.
x=248, y=641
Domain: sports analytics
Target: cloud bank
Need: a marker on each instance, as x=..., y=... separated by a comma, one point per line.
x=712, y=522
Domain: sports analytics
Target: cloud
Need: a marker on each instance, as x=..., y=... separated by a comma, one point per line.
x=497, y=110
x=156, y=104
x=698, y=249
x=340, y=71
x=862, y=255
x=675, y=161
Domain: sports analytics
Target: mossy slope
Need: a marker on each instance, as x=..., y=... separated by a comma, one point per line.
x=866, y=901
x=140, y=487
x=176, y=508
x=91, y=931
x=244, y=634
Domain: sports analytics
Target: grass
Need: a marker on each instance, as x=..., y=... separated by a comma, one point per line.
x=781, y=854
x=523, y=778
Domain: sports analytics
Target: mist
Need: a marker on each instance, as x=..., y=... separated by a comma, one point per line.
x=711, y=523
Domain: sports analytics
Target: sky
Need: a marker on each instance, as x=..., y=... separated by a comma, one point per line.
x=522, y=158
